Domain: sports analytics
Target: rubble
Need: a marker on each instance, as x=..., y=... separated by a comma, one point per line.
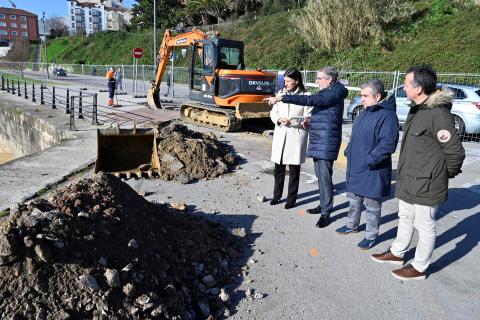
x=187, y=155
x=98, y=250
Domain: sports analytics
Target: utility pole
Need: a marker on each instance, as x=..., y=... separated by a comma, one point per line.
x=155, y=34
x=45, y=43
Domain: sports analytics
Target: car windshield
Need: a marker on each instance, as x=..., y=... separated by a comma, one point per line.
x=478, y=92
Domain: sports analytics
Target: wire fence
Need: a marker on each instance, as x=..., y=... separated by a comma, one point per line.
x=136, y=80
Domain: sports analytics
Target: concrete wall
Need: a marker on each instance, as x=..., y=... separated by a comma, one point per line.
x=22, y=134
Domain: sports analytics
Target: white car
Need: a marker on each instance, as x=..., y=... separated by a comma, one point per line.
x=465, y=107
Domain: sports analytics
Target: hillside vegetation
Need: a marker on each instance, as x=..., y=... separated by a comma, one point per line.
x=446, y=41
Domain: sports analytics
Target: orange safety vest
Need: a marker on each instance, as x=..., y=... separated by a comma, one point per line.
x=110, y=75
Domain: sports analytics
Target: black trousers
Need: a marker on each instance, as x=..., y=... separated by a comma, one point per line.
x=293, y=182
x=111, y=88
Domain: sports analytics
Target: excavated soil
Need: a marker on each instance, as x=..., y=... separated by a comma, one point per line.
x=187, y=155
x=98, y=250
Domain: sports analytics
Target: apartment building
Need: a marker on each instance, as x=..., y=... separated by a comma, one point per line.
x=89, y=16
x=18, y=24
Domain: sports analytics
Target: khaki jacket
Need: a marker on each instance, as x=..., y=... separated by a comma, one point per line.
x=431, y=152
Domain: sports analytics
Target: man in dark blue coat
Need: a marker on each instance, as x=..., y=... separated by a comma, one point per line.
x=325, y=133
x=369, y=162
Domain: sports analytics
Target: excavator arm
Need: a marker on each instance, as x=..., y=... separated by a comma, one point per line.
x=182, y=40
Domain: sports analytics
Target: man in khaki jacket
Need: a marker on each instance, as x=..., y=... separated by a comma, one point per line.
x=430, y=154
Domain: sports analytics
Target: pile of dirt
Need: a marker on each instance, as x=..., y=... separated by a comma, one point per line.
x=98, y=250
x=187, y=155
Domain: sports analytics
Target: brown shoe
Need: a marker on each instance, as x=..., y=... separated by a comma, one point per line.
x=408, y=273
x=387, y=257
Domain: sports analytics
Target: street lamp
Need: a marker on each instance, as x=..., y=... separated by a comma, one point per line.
x=155, y=34
x=45, y=43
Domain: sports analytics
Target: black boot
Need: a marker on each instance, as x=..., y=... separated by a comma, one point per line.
x=315, y=210
x=289, y=204
x=274, y=201
x=323, y=221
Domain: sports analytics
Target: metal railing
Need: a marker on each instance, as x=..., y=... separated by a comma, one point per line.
x=78, y=104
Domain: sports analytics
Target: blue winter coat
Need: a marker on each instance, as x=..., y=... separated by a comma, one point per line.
x=326, y=122
x=374, y=139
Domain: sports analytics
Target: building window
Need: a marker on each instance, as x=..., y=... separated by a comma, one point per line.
x=3, y=32
x=3, y=24
x=13, y=17
x=23, y=18
x=24, y=26
x=73, y=25
x=25, y=34
x=2, y=16
x=13, y=25
x=71, y=11
x=14, y=33
x=73, y=18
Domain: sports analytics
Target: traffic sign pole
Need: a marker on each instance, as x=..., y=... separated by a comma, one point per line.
x=137, y=53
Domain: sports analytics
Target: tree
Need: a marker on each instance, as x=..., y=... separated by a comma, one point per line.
x=167, y=13
x=57, y=27
x=19, y=54
x=206, y=11
x=241, y=7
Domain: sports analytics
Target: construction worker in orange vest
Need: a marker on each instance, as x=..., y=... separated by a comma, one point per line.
x=111, y=85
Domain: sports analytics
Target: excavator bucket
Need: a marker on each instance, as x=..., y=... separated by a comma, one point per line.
x=252, y=110
x=127, y=152
x=153, y=99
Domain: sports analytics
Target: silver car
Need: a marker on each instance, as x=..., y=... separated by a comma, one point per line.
x=465, y=107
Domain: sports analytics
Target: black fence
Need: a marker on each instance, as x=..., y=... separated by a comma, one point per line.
x=78, y=104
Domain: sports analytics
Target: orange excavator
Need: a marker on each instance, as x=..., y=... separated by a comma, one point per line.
x=221, y=92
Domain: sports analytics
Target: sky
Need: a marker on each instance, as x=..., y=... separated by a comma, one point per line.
x=51, y=7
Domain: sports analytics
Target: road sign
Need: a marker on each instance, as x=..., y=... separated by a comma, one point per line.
x=137, y=53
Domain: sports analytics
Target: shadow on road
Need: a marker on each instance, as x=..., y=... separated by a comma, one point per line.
x=465, y=229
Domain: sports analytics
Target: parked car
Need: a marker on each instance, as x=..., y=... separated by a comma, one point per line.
x=465, y=107
x=59, y=72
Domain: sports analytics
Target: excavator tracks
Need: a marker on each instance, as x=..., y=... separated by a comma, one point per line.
x=210, y=117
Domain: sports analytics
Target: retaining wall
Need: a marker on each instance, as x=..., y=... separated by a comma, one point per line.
x=21, y=133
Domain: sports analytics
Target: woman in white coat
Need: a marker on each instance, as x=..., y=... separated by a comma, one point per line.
x=289, y=138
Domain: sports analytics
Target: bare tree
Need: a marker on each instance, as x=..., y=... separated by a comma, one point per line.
x=19, y=54
x=57, y=27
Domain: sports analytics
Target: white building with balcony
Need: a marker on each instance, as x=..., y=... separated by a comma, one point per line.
x=89, y=16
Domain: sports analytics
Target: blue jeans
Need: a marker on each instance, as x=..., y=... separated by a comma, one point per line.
x=372, y=215
x=323, y=171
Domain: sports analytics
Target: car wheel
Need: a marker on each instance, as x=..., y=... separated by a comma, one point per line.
x=356, y=112
x=459, y=125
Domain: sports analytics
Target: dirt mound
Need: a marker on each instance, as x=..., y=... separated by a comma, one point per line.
x=97, y=250
x=186, y=155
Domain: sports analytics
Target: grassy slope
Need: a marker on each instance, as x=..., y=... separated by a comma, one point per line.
x=101, y=48
x=449, y=45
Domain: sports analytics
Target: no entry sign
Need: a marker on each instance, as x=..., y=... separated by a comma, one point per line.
x=137, y=53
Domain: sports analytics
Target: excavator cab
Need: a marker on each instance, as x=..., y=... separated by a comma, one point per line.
x=209, y=57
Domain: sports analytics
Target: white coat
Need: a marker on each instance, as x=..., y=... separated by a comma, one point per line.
x=289, y=144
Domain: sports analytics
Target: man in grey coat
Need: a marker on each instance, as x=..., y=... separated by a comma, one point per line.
x=431, y=153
